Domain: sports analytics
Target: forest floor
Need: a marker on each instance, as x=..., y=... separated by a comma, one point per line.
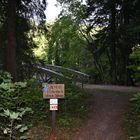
x=107, y=119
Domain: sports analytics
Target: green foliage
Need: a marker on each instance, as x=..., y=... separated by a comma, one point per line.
x=11, y=111
x=64, y=42
x=18, y=98
x=5, y=77
x=14, y=126
x=9, y=92
x=118, y=23
x=41, y=41
x=133, y=118
x=24, y=23
x=135, y=64
x=66, y=45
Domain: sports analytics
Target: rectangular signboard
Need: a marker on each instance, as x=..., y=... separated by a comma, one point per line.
x=53, y=107
x=53, y=101
x=54, y=91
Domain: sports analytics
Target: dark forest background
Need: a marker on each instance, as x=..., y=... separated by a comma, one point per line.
x=98, y=37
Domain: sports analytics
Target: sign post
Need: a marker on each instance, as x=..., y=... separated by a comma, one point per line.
x=53, y=92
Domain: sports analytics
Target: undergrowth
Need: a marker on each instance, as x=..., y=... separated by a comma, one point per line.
x=133, y=118
x=28, y=94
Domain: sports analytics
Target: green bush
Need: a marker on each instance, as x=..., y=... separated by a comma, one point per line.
x=133, y=118
x=28, y=94
x=11, y=111
x=10, y=93
x=14, y=128
x=135, y=66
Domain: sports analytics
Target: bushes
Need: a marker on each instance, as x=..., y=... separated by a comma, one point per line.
x=135, y=66
x=11, y=111
x=133, y=118
x=13, y=127
x=17, y=98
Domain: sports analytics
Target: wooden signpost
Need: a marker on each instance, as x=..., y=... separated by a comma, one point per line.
x=53, y=92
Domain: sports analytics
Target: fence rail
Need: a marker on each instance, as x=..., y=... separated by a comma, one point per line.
x=47, y=72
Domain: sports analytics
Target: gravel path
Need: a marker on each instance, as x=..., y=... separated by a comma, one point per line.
x=123, y=89
x=106, y=120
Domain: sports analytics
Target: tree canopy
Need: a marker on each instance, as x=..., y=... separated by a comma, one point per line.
x=92, y=33
x=119, y=33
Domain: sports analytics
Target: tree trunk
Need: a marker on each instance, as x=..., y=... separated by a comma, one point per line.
x=113, y=43
x=125, y=49
x=11, y=48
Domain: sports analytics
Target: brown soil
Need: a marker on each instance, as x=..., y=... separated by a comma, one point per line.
x=106, y=121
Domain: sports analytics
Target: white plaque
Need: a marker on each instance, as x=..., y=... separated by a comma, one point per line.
x=53, y=101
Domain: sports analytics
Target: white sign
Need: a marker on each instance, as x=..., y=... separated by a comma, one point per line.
x=53, y=107
x=53, y=101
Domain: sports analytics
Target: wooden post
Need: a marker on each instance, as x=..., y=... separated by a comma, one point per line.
x=53, y=129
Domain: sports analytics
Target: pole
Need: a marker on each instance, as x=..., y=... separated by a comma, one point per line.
x=53, y=119
x=53, y=131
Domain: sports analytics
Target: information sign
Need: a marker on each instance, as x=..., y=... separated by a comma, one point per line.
x=53, y=101
x=53, y=107
x=53, y=91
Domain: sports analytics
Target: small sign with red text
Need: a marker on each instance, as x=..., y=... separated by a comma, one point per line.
x=53, y=107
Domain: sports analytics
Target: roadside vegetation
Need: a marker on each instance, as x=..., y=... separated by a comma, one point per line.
x=23, y=109
x=133, y=117
x=132, y=123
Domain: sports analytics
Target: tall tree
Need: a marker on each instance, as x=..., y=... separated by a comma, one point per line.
x=115, y=39
x=12, y=12
x=66, y=46
x=11, y=48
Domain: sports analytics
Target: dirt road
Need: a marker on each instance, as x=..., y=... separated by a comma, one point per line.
x=106, y=120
